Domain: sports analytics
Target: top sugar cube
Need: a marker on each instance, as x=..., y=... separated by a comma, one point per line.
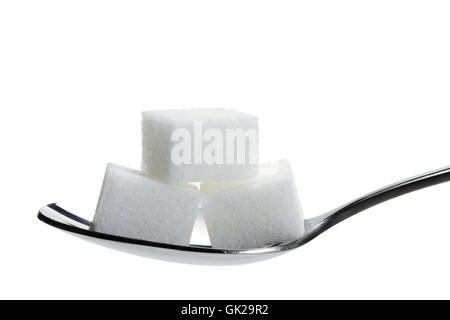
x=199, y=145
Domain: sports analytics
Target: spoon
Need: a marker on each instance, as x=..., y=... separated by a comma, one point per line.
x=61, y=218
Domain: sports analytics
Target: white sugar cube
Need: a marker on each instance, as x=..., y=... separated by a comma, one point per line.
x=199, y=145
x=133, y=205
x=255, y=213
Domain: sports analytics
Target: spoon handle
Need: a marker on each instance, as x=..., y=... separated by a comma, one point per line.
x=317, y=225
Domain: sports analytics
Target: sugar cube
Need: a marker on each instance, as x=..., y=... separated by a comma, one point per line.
x=255, y=213
x=199, y=145
x=134, y=205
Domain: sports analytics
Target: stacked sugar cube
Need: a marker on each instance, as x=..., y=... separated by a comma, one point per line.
x=244, y=205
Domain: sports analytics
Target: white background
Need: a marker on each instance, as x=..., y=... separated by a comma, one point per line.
x=354, y=93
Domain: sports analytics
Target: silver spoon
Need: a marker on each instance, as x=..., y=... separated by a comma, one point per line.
x=61, y=218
